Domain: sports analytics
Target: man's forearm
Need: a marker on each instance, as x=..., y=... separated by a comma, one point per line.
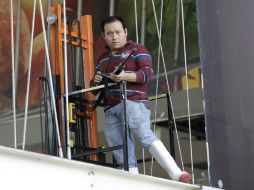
x=130, y=76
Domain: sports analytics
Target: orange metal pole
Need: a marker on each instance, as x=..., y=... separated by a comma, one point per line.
x=86, y=37
x=55, y=61
x=60, y=47
x=53, y=31
x=88, y=59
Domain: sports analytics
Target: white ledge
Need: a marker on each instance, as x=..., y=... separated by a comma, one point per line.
x=27, y=170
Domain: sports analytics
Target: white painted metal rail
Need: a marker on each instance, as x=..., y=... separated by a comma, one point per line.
x=27, y=170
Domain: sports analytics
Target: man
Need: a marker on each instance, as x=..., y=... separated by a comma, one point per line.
x=137, y=73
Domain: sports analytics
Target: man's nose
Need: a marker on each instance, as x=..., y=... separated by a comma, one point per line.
x=114, y=35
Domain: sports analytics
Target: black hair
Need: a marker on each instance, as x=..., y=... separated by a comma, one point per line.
x=112, y=19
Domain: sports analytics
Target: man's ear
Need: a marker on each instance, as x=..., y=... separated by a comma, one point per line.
x=126, y=32
x=103, y=36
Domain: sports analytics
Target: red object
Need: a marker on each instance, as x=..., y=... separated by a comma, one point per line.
x=185, y=177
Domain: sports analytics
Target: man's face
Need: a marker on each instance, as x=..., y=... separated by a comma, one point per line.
x=115, y=35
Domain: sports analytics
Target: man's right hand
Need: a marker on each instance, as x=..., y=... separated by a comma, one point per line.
x=98, y=78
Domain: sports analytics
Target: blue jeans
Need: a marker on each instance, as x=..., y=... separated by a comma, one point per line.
x=138, y=117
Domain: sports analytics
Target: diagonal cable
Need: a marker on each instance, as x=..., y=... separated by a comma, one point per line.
x=28, y=77
x=165, y=70
x=13, y=79
x=157, y=78
x=51, y=82
x=187, y=89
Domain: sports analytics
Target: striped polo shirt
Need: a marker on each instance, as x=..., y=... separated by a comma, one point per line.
x=139, y=62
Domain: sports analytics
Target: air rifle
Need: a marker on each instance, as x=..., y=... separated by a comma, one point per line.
x=118, y=69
